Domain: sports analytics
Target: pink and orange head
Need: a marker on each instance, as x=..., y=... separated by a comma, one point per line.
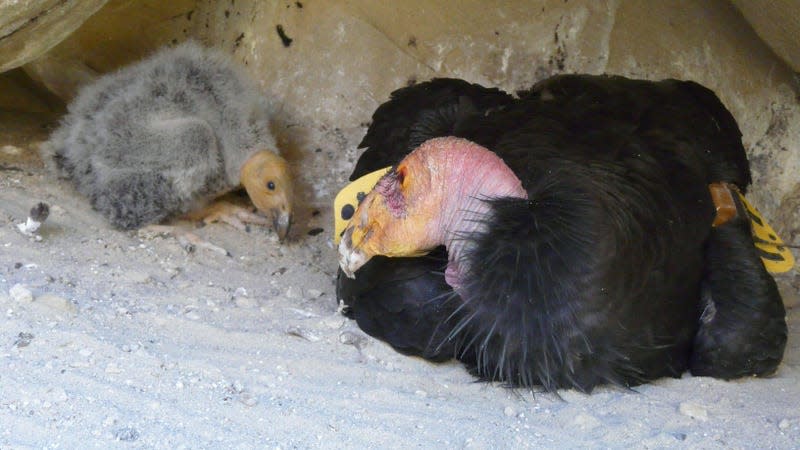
x=399, y=216
x=430, y=197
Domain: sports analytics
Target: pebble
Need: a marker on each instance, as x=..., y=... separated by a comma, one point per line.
x=126, y=434
x=20, y=293
x=334, y=322
x=237, y=386
x=23, y=340
x=240, y=292
x=109, y=420
x=57, y=303
x=314, y=293
x=586, y=421
x=693, y=410
x=137, y=277
x=11, y=150
x=130, y=348
x=350, y=338
x=294, y=293
x=245, y=302
x=303, y=333
x=248, y=399
x=57, y=395
x=784, y=424
x=509, y=411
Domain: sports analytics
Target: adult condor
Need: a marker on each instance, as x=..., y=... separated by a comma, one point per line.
x=589, y=231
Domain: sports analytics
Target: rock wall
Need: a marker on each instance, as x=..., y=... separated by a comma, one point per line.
x=30, y=28
x=329, y=63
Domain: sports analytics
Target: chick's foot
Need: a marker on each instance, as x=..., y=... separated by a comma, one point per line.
x=187, y=240
x=234, y=215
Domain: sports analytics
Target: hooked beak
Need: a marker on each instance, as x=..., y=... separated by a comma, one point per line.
x=281, y=222
x=351, y=258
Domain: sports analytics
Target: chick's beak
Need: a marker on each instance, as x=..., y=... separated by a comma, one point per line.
x=281, y=222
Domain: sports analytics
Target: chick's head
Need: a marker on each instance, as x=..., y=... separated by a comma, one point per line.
x=267, y=179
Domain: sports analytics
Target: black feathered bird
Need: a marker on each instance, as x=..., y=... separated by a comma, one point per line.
x=571, y=234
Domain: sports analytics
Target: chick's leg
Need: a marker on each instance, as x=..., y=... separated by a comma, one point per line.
x=237, y=216
x=187, y=240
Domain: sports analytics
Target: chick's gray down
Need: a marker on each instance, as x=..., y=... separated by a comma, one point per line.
x=163, y=136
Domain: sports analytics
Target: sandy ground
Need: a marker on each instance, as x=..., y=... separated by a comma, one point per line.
x=110, y=339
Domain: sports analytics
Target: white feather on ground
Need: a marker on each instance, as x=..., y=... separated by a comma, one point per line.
x=163, y=136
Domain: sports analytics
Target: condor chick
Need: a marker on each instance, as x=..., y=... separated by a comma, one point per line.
x=165, y=136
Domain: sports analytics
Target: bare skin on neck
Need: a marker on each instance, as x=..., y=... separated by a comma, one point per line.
x=434, y=196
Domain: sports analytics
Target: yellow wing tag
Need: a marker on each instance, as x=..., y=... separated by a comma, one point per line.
x=777, y=258
x=347, y=200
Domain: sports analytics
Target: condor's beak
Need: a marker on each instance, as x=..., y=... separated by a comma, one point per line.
x=351, y=256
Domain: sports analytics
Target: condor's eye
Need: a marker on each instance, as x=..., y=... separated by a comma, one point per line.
x=401, y=175
x=271, y=185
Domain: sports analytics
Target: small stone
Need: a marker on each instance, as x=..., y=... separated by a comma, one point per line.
x=57, y=303
x=421, y=394
x=137, y=277
x=784, y=424
x=126, y=434
x=586, y=421
x=11, y=149
x=237, y=386
x=245, y=302
x=334, y=322
x=509, y=411
x=20, y=293
x=693, y=410
x=313, y=293
x=350, y=338
x=240, y=292
x=293, y=293
x=86, y=352
x=57, y=395
x=23, y=340
x=303, y=333
x=248, y=399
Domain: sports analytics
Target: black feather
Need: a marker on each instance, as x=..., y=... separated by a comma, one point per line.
x=742, y=328
x=598, y=277
x=405, y=302
x=420, y=112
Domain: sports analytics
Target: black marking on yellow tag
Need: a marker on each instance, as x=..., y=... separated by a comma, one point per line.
x=777, y=258
x=348, y=199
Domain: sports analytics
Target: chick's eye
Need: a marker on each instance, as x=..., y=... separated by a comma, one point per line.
x=270, y=185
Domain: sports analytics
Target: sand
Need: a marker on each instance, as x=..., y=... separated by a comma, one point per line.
x=113, y=339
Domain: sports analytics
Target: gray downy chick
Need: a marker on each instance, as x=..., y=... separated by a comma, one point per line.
x=166, y=135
